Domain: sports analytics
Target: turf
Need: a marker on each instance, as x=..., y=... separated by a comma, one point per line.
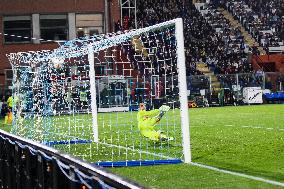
x=244, y=139
x=249, y=139
x=187, y=176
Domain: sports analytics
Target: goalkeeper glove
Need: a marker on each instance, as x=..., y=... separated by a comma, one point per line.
x=164, y=108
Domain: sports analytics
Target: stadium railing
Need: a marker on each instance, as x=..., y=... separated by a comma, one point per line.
x=28, y=164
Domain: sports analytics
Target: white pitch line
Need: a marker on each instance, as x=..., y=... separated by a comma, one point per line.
x=244, y=126
x=137, y=150
x=240, y=174
x=257, y=127
x=269, y=128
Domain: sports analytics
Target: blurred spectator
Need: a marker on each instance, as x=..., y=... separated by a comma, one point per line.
x=4, y=107
x=117, y=26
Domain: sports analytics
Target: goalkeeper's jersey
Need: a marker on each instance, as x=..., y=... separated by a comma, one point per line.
x=144, y=116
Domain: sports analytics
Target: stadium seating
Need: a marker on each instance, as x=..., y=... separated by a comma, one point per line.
x=262, y=20
x=209, y=38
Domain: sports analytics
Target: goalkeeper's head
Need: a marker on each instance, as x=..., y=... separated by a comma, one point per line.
x=142, y=106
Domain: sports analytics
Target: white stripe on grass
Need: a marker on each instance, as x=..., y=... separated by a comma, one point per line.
x=239, y=174
x=243, y=126
x=258, y=127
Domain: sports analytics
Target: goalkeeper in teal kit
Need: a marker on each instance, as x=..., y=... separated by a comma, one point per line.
x=147, y=121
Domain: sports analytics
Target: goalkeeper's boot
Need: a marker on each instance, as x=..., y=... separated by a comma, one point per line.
x=166, y=139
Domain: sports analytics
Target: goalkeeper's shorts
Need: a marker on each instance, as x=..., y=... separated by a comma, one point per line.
x=147, y=129
x=151, y=134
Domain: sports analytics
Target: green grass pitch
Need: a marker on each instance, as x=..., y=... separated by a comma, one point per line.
x=243, y=139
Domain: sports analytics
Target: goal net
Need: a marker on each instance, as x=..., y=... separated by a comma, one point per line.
x=84, y=97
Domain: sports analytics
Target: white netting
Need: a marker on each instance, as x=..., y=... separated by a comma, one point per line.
x=53, y=97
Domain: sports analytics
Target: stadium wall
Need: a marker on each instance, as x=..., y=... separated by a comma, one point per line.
x=273, y=61
x=109, y=9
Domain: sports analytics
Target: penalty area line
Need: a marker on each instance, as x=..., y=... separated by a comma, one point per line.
x=239, y=174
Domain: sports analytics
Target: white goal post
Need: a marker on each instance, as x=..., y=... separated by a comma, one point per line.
x=150, y=65
x=183, y=91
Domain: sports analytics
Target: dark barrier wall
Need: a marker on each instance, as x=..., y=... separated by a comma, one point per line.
x=25, y=164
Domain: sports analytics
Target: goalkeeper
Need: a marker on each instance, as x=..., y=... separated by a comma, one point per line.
x=147, y=121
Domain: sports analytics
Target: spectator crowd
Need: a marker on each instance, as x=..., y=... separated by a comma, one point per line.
x=262, y=19
x=209, y=36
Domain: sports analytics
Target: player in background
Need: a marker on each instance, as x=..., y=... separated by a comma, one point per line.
x=8, y=116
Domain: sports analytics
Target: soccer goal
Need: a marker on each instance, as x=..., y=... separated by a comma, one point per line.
x=86, y=97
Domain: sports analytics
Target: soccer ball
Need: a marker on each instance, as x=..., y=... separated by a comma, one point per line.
x=57, y=62
x=57, y=65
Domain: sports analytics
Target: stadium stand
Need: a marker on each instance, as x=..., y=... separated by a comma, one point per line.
x=231, y=44
x=263, y=21
x=207, y=40
x=216, y=40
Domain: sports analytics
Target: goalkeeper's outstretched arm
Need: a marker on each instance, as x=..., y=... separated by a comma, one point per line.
x=163, y=109
x=158, y=113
